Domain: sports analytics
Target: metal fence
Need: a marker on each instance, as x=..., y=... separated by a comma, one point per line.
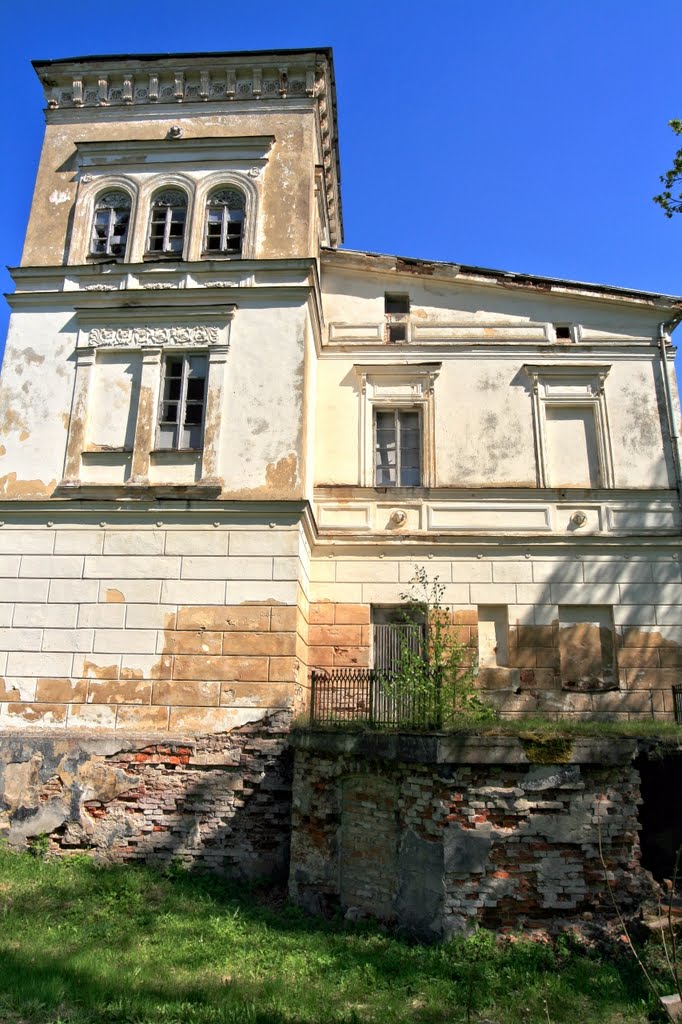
x=677, y=702
x=367, y=695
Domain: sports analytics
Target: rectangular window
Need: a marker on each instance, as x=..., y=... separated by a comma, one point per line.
x=397, y=448
x=183, y=399
x=396, y=304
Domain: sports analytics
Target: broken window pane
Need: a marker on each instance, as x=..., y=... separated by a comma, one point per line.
x=110, y=224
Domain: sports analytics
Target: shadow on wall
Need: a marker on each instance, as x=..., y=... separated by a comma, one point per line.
x=222, y=803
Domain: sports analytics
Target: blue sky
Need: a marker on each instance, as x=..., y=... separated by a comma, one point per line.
x=526, y=136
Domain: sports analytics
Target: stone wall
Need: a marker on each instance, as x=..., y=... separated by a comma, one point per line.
x=435, y=835
x=182, y=627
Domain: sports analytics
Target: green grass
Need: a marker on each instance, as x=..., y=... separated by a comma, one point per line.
x=531, y=725
x=82, y=944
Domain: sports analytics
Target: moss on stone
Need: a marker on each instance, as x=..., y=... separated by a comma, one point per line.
x=541, y=749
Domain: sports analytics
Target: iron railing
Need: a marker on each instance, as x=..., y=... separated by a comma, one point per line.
x=677, y=702
x=342, y=695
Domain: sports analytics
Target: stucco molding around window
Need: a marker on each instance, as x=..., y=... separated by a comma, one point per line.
x=578, y=386
x=396, y=386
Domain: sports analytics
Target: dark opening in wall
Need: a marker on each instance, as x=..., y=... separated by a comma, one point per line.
x=660, y=813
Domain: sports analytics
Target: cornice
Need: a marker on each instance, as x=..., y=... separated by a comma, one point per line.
x=482, y=277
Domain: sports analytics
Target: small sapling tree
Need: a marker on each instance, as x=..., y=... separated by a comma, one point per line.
x=434, y=683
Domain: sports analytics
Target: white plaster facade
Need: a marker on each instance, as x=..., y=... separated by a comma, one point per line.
x=547, y=489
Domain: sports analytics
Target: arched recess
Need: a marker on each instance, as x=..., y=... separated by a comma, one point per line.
x=229, y=180
x=88, y=195
x=153, y=186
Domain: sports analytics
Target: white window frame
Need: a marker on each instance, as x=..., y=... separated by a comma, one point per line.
x=390, y=387
x=111, y=226
x=396, y=411
x=577, y=386
x=166, y=249
x=181, y=401
x=225, y=211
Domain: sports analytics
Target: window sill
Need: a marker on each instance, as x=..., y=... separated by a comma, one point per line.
x=104, y=257
x=163, y=257
x=176, y=451
x=221, y=256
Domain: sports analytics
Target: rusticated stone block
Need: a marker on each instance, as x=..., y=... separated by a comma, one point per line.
x=192, y=642
x=322, y=613
x=259, y=643
x=196, y=693
x=112, y=691
x=351, y=614
x=226, y=617
x=34, y=714
x=346, y=636
x=284, y=619
x=535, y=636
x=283, y=669
x=142, y=719
x=497, y=678
x=62, y=691
x=238, y=668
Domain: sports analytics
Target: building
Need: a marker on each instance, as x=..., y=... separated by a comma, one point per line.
x=227, y=443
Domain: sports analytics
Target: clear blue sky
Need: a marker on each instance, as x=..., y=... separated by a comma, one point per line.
x=526, y=135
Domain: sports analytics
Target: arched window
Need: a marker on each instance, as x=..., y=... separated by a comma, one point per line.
x=110, y=224
x=167, y=222
x=224, y=222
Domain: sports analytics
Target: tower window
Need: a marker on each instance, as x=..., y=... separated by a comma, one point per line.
x=167, y=223
x=224, y=222
x=110, y=224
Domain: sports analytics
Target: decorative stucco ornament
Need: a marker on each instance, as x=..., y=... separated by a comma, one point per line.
x=398, y=517
x=578, y=519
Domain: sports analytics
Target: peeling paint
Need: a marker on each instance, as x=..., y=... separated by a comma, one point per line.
x=10, y=487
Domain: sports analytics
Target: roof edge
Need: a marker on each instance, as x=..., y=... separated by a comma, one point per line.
x=429, y=268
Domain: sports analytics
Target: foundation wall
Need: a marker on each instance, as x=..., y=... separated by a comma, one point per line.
x=436, y=835
x=221, y=803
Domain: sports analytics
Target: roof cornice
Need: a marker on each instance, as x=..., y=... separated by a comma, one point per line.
x=382, y=263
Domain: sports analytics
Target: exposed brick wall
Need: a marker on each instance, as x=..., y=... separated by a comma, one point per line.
x=487, y=839
x=220, y=802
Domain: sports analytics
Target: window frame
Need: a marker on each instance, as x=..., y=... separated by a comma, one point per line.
x=165, y=252
x=111, y=226
x=179, y=424
x=396, y=410
x=224, y=209
x=387, y=386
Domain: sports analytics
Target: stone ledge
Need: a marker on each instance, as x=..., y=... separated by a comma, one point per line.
x=460, y=748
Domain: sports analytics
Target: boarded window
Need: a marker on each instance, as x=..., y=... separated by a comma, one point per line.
x=572, y=446
x=493, y=629
x=586, y=648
